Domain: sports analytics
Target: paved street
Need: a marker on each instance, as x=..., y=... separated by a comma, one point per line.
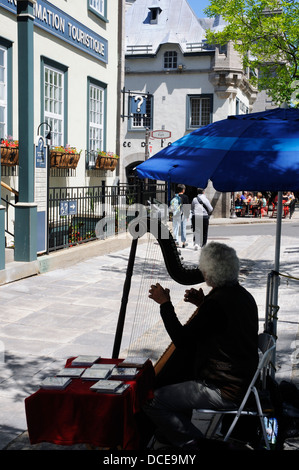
x=74, y=309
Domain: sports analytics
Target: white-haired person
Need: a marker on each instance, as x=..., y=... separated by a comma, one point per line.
x=220, y=343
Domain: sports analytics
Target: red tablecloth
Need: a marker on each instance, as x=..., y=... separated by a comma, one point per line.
x=79, y=415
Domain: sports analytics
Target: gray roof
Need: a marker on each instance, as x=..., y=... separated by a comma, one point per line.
x=177, y=24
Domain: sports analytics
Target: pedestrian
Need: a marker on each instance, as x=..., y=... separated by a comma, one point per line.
x=180, y=215
x=201, y=209
x=219, y=348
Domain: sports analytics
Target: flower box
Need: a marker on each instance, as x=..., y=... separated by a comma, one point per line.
x=64, y=160
x=64, y=157
x=9, y=156
x=106, y=161
x=9, y=152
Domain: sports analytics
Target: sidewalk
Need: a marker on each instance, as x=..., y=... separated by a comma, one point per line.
x=48, y=317
x=67, y=257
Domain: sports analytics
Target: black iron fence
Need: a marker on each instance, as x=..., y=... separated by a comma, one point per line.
x=80, y=214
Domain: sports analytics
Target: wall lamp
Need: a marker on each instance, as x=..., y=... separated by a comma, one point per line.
x=49, y=135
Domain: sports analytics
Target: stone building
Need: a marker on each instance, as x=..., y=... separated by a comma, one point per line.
x=175, y=82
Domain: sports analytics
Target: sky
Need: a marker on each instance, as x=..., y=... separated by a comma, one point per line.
x=198, y=6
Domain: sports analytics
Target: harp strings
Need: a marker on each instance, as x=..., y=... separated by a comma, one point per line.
x=148, y=335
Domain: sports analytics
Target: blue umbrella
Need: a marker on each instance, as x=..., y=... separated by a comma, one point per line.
x=257, y=152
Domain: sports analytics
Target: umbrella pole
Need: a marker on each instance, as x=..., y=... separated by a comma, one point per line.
x=233, y=214
x=277, y=255
x=274, y=299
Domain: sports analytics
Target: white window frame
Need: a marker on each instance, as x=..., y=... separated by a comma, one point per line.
x=202, y=118
x=3, y=97
x=96, y=97
x=54, y=103
x=98, y=6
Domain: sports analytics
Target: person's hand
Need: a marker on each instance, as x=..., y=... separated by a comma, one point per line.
x=158, y=294
x=194, y=296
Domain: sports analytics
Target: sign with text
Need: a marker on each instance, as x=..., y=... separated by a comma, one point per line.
x=41, y=192
x=60, y=24
x=40, y=154
x=161, y=134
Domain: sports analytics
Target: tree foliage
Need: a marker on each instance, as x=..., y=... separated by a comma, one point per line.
x=266, y=34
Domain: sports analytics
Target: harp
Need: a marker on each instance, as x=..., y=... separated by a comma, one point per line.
x=182, y=274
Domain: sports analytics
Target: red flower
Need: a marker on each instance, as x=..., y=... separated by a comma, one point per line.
x=9, y=142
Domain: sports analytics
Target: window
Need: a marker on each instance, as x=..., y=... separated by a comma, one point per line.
x=241, y=108
x=96, y=117
x=170, y=60
x=223, y=49
x=96, y=125
x=199, y=110
x=3, y=92
x=99, y=7
x=154, y=14
x=54, y=103
x=141, y=118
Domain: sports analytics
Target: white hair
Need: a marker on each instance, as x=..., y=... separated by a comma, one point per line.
x=219, y=264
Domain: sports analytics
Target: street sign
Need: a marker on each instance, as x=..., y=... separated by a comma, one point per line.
x=161, y=134
x=72, y=207
x=67, y=208
x=138, y=104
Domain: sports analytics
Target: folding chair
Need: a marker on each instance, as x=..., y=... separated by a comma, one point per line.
x=266, y=347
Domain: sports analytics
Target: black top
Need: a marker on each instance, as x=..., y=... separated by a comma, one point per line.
x=185, y=202
x=221, y=341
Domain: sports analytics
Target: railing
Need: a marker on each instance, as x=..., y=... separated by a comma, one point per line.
x=139, y=49
x=199, y=46
x=7, y=225
x=76, y=212
x=7, y=205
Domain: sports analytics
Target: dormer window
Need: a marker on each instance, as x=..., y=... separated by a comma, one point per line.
x=155, y=11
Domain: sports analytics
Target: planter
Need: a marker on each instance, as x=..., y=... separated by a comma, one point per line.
x=106, y=163
x=9, y=156
x=64, y=160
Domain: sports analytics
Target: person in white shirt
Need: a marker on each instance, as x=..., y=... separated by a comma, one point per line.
x=201, y=209
x=179, y=220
